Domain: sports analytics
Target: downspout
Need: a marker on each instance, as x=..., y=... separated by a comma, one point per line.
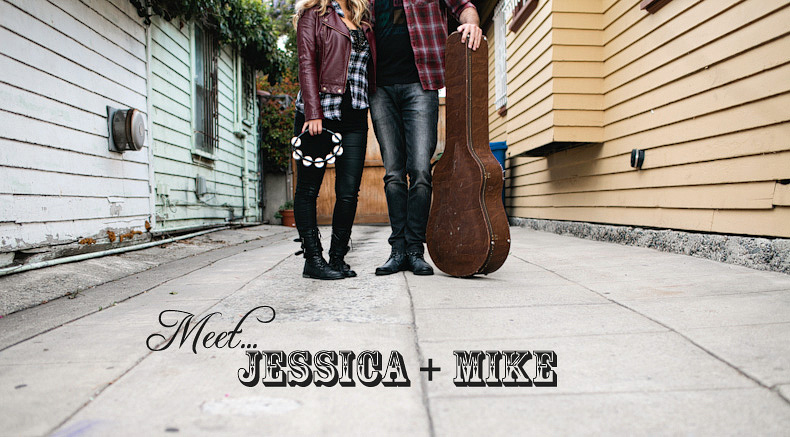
x=150, y=136
x=243, y=136
x=245, y=180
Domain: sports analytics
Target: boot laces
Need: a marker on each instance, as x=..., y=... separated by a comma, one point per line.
x=301, y=242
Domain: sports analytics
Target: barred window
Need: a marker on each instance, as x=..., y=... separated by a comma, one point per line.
x=247, y=93
x=500, y=56
x=206, y=110
x=652, y=6
x=521, y=9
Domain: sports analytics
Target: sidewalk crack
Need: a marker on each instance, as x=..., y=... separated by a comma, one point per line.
x=426, y=402
x=136, y=363
x=685, y=337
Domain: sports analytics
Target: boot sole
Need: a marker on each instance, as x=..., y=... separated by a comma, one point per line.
x=305, y=275
x=346, y=273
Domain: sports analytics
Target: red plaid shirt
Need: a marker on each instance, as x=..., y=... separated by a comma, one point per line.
x=427, y=23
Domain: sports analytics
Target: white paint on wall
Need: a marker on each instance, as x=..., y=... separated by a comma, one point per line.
x=63, y=62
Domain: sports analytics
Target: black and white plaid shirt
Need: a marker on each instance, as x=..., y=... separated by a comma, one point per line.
x=357, y=77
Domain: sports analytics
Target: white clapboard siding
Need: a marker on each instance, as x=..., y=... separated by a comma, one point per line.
x=43, y=158
x=121, y=13
x=45, y=183
x=183, y=189
x=112, y=23
x=38, y=209
x=175, y=166
x=32, y=28
x=165, y=104
x=42, y=109
x=93, y=39
x=188, y=198
x=63, y=62
x=189, y=170
x=20, y=75
x=57, y=66
x=71, y=230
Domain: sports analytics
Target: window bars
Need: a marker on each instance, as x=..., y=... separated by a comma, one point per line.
x=248, y=93
x=500, y=56
x=206, y=91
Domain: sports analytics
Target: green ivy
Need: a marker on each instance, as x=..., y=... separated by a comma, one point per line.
x=277, y=122
x=245, y=25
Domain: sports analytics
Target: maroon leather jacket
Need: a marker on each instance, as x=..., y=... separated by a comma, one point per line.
x=324, y=48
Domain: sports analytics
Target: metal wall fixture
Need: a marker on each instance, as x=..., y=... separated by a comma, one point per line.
x=200, y=186
x=127, y=129
x=637, y=158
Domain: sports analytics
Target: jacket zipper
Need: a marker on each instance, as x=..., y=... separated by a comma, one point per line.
x=345, y=75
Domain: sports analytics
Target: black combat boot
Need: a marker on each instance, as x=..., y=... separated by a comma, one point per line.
x=417, y=264
x=338, y=251
x=315, y=265
x=396, y=263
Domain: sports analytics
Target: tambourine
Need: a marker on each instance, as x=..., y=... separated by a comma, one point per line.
x=307, y=160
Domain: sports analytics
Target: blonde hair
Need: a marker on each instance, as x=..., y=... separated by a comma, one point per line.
x=357, y=8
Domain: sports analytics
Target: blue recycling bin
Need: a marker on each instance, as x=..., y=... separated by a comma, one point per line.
x=499, y=148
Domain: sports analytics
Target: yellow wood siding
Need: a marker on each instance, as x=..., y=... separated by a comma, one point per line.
x=702, y=87
x=529, y=81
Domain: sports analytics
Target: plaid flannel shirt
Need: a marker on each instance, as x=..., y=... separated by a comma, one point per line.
x=427, y=23
x=357, y=81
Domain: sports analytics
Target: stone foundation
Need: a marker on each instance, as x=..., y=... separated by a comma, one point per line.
x=754, y=252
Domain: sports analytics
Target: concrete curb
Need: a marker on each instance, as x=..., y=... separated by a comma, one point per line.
x=31, y=321
x=35, y=287
x=771, y=254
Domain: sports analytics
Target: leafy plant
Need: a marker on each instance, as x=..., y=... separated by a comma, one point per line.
x=287, y=205
x=281, y=13
x=245, y=25
x=276, y=121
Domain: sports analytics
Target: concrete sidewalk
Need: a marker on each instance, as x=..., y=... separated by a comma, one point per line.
x=646, y=343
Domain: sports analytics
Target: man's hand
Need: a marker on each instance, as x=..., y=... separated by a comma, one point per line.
x=315, y=126
x=471, y=33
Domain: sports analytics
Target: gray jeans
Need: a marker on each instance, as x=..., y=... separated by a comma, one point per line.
x=405, y=120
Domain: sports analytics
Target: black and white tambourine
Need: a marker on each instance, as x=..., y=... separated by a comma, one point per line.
x=319, y=162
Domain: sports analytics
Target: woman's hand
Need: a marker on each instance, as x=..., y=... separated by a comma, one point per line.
x=315, y=126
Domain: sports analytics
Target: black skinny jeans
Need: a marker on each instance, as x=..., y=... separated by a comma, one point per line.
x=348, y=168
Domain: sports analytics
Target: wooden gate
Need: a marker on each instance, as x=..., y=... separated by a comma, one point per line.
x=372, y=207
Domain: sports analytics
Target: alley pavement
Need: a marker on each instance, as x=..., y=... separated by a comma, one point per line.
x=645, y=343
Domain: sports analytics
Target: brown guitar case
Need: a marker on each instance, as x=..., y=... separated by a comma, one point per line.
x=468, y=231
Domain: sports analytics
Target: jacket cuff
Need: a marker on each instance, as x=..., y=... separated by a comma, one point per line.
x=312, y=113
